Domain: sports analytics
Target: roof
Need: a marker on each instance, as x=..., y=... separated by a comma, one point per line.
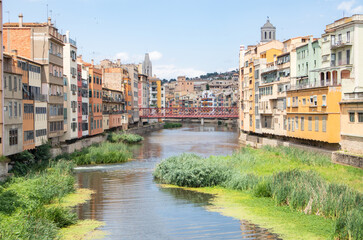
x=268, y=24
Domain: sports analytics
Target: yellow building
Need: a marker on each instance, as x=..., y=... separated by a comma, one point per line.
x=314, y=114
x=155, y=92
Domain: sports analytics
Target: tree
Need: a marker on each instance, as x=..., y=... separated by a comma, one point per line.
x=207, y=87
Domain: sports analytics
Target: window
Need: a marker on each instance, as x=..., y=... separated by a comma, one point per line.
x=324, y=124
x=360, y=117
x=28, y=108
x=348, y=37
x=297, y=122
x=10, y=109
x=28, y=135
x=352, y=117
x=40, y=132
x=288, y=102
x=304, y=101
x=316, y=124
x=15, y=109
x=348, y=57
x=310, y=123
x=10, y=84
x=13, y=137
x=289, y=124
x=324, y=100
x=15, y=84
x=302, y=124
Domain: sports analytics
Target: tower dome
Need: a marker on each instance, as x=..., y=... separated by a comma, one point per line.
x=268, y=32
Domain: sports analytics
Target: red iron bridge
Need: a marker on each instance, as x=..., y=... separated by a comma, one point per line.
x=190, y=112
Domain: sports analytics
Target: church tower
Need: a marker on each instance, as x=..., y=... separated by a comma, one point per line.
x=268, y=32
x=147, y=66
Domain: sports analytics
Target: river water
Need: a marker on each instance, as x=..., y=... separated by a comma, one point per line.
x=133, y=206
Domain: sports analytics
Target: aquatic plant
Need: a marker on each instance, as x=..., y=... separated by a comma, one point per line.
x=126, y=138
x=104, y=153
x=168, y=125
x=292, y=177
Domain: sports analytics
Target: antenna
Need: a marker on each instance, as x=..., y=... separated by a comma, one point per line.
x=47, y=11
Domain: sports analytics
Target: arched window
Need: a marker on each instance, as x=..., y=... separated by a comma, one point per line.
x=270, y=35
x=265, y=35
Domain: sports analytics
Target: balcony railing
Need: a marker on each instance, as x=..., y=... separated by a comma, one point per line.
x=312, y=85
x=339, y=44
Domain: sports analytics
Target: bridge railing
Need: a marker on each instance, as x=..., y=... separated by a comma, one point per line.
x=190, y=112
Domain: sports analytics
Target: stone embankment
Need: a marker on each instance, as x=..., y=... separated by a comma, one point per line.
x=86, y=142
x=336, y=156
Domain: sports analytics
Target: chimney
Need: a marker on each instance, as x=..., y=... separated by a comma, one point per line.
x=92, y=62
x=118, y=62
x=49, y=21
x=20, y=20
x=14, y=52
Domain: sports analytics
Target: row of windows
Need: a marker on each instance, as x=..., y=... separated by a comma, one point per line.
x=96, y=80
x=8, y=83
x=28, y=108
x=352, y=117
x=94, y=125
x=293, y=123
x=266, y=91
x=41, y=132
x=96, y=94
x=41, y=110
x=55, y=110
x=56, y=126
x=10, y=108
x=313, y=101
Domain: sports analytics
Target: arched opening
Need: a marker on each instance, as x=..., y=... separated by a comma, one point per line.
x=328, y=77
x=335, y=77
x=265, y=35
x=345, y=74
x=322, y=79
x=270, y=35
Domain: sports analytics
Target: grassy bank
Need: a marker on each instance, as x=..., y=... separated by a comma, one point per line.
x=24, y=210
x=304, y=182
x=168, y=125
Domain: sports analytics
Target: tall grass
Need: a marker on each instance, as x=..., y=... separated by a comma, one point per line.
x=291, y=177
x=23, y=200
x=104, y=153
x=168, y=125
x=126, y=138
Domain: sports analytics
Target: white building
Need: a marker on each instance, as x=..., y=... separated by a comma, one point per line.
x=70, y=72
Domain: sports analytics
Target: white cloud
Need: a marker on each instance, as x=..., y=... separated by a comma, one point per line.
x=350, y=7
x=171, y=71
x=137, y=58
x=155, y=55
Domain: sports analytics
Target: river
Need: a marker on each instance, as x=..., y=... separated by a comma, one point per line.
x=133, y=206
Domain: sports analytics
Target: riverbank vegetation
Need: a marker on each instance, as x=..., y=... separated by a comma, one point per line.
x=24, y=200
x=168, y=125
x=125, y=138
x=303, y=181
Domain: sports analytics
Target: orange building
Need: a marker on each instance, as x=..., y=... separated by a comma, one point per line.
x=95, y=100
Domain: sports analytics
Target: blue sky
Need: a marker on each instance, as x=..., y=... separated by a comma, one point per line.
x=184, y=37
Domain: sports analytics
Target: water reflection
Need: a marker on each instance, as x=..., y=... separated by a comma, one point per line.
x=133, y=206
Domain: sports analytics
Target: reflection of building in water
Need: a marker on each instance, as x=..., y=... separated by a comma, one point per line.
x=92, y=181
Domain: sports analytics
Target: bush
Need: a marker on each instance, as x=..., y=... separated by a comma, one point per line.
x=23, y=200
x=126, y=138
x=190, y=170
x=168, y=125
x=305, y=191
x=104, y=153
x=42, y=153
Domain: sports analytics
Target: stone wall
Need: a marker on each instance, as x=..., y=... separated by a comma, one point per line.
x=346, y=159
x=352, y=144
x=86, y=142
x=3, y=170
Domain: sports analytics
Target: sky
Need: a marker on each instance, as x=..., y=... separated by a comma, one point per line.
x=183, y=37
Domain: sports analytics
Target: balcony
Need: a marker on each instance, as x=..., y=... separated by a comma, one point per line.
x=56, y=99
x=55, y=80
x=339, y=44
x=113, y=99
x=269, y=69
x=56, y=58
x=313, y=85
x=71, y=41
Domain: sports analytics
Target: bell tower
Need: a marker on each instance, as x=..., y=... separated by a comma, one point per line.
x=268, y=32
